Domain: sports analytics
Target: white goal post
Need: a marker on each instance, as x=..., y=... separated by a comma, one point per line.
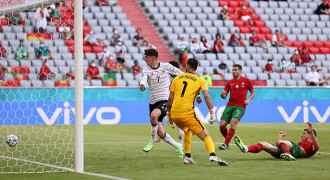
x=33, y=153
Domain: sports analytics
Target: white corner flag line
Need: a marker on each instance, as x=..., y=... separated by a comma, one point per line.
x=64, y=168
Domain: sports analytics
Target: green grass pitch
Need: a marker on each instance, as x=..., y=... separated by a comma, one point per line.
x=116, y=150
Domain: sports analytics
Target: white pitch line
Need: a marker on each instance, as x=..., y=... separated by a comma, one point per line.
x=67, y=169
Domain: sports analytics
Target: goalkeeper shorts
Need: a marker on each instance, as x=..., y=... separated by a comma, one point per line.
x=191, y=123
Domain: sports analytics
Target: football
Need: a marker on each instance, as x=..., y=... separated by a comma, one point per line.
x=12, y=140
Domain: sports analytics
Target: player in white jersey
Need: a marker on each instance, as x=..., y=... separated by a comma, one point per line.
x=157, y=76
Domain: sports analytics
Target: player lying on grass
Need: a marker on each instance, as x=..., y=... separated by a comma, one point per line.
x=307, y=147
x=157, y=76
x=180, y=110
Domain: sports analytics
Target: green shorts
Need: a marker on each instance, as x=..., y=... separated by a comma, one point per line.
x=232, y=112
x=295, y=151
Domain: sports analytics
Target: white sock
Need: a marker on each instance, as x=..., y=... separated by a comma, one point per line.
x=180, y=134
x=154, y=128
x=167, y=138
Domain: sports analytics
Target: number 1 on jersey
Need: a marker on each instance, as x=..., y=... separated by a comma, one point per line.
x=184, y=88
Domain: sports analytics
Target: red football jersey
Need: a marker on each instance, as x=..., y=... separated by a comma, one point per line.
x=93, y=71
x=238, y=91
x=308, y=146
x=44, y=70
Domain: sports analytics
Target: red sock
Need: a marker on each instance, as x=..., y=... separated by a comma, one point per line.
x=284, y=148
x=224, y=132
x=255, y=148
x=229, y=135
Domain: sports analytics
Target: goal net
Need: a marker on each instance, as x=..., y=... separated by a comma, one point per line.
x=36, y=79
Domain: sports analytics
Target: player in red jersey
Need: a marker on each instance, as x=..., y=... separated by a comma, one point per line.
x=235, y=108
x=287, y=150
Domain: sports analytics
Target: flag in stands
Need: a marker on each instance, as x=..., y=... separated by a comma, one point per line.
x=109, y=79
x=20, y=73
x=185, y=56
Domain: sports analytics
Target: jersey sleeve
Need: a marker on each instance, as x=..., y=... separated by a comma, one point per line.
x=173, y=85
x=173, y=70
x=249, y=85
x=144, y=78
x=203, y=85
x=227, y=86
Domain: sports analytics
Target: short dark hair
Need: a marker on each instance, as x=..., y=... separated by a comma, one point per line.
x=174, y=63
x=150, y=52
x=269, y=60
x=313, y=131
x=193, y=63
x=218, y=34
x=304, y=48
x=238, y=65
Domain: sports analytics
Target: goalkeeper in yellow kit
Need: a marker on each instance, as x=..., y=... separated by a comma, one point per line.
x=180, y=110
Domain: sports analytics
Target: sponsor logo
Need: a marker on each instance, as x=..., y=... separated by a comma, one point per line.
x=92, y=112
x=306, y=110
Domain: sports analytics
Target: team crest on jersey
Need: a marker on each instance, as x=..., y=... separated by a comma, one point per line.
x=242, y=84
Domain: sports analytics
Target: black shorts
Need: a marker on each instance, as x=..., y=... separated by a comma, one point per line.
x=161, y=105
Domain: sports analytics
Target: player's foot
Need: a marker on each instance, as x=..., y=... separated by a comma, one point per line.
x=148, y=147
x=223, y=147
x=240, y=144
x=287, y=156
x=215, y=159
x=188, y=160
x=180, y=151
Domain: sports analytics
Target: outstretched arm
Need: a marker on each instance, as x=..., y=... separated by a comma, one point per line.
x=281, y=135
x=314, y=139
x=246, y=102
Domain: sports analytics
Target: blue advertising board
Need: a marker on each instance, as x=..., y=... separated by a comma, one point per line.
x=130, y=106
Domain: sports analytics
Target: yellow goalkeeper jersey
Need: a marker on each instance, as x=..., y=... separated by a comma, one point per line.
x=185, y=88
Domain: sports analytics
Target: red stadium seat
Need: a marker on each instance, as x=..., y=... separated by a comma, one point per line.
x=237, y=9
x=222, y=3
x=69, y=42
x=324, y=50
x=327, y=44
x=239, y=23
x=87, y=49
x=287, y=43
x=314, y=50
x=230, y=10
x=233, y=17
x=308, y=43
x=259, y=23
x=233, y=4
x=261, y=36
x=243, y=2
x=265, y=30
x=244, y=30
x=259, y=83
x=297, y=44
x=255, y=28
x=255, y=17
x=251, y=10
x=318, y=44
x=246, y=23
x=4, y=22
x=86, y=29
x=97, y=49
x=269, y=37
x=284, y=36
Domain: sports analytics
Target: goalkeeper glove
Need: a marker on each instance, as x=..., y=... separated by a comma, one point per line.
x=212, y=118
x=169, y=120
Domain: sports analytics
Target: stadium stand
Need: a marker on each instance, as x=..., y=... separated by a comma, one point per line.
x=174, y=19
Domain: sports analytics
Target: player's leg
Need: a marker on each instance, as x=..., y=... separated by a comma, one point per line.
x=155, y=113
x=162, y=133
x=223, y=128
x=236, y=114
x=224, y=120
x=187, y=145
x=209, y=145
x=180, y=135
x=285, y=147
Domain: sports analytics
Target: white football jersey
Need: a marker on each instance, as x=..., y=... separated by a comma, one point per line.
x=158, y=80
